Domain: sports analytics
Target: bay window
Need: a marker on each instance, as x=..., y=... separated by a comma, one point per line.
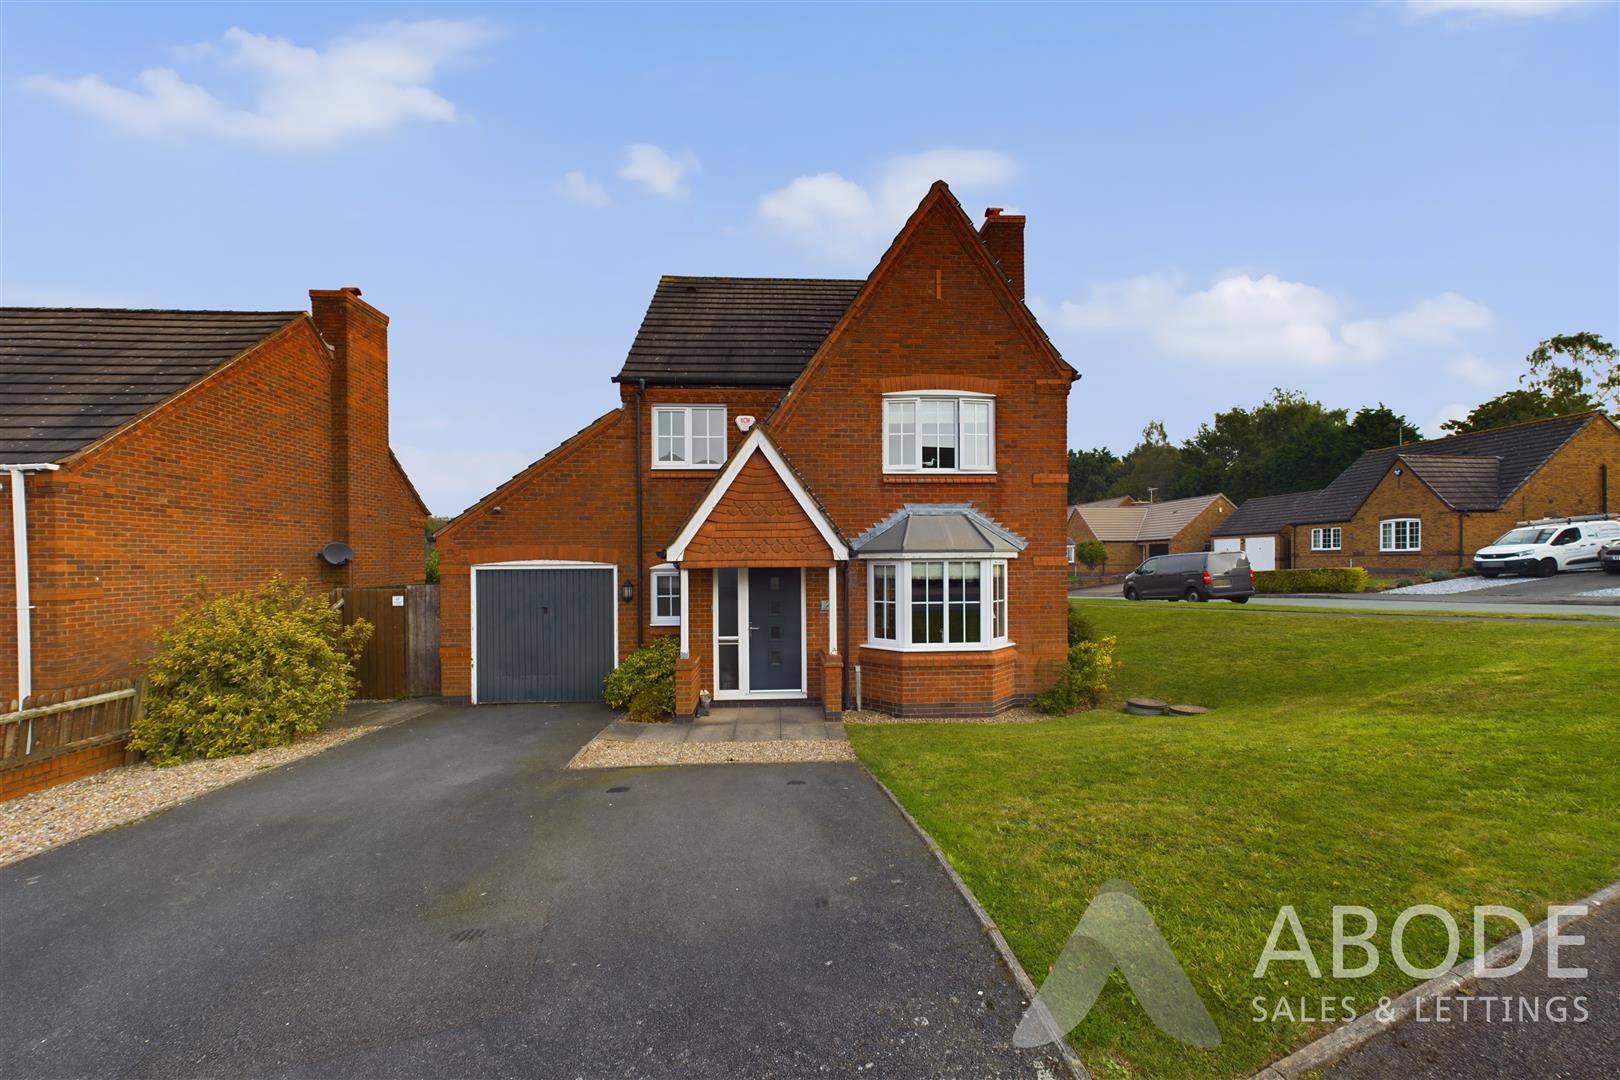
x=937, y=603
x=938, y=432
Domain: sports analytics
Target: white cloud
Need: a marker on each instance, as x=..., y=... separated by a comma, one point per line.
x=366, y=81
x=1476, y=372
x=1455, y=411
x=576, y=187
x=659, y=171
x=1469, y=10
x=846, y=220
x=1263, y=320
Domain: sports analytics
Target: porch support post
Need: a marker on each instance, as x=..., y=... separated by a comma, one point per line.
x=686, y=613
x=832, y=609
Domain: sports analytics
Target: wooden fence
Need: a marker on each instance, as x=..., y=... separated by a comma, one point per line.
x=62, y=735
x=402, y=657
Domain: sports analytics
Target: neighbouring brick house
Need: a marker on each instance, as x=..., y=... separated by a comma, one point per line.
x=1430, y=505
x=151, y=452
x=804, y=477
x=1132, y=531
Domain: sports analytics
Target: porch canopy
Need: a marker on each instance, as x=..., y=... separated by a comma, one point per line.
x=937, y=529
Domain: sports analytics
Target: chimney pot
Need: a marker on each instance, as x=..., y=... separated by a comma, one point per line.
x=992, y=211
x=1003, y=237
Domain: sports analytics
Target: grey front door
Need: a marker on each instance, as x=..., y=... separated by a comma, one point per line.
x=774, y=633
x=543, y=634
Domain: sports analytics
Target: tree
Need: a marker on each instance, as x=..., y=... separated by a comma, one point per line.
x=1091, y=553
x=1551, y=390
x=1150, y=470
x=1091, y=474
x=1238, y=453
x=1589, y=356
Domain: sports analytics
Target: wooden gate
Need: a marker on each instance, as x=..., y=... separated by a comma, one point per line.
x=402, y=657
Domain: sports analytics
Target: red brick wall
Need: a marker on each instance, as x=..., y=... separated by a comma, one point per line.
x=942, y=683
x=223, y=486
x=45, y=772
x=1569, y=484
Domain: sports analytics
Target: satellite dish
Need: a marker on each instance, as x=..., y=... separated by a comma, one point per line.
x=337, y=553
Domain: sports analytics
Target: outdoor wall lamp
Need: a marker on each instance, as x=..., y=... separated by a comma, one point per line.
x=627, y=591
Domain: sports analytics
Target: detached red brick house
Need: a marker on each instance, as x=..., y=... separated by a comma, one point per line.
x=145, y=452
x=1430, y=505
x=1133, y=531
x=804, y=478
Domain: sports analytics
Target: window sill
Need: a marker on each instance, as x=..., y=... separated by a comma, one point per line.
x=664, y=622
x=1400, y=551
x=976, y=647
x=939, y=478
x=687, y=468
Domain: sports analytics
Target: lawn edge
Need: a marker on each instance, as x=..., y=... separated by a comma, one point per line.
x=1342, y=1041
x=1077, y=1068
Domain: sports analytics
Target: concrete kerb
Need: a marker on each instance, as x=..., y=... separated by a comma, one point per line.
x=1077, y=1069
x=1341, y=1041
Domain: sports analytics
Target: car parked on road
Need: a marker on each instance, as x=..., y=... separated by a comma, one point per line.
x=1609, y=558
x=1201, y=575
x=1544, y=548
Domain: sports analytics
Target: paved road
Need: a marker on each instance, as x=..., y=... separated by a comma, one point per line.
x=440, y=899
x=1486, y=1046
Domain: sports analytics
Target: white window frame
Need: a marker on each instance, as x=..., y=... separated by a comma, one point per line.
x=665, y=571
x=989, y=603
x=915, y=398
x=1327, y=538
x=1389, y=534
x=686, y=411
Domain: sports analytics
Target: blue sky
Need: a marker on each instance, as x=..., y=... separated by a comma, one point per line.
x=1384, y=202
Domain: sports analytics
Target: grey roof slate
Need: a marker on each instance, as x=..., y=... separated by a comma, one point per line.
x=1464, y=482
x=68, y=376
x=728, y=331
x=1268, y=514
x=938, y=528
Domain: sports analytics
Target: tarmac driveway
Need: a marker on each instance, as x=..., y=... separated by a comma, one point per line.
x=442, y=899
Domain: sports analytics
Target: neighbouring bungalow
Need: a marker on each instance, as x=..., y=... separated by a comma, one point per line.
x=1133, y=531
x=808, y=482
x=1430, y=505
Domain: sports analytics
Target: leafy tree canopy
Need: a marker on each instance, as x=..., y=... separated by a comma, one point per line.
x=1589, y=380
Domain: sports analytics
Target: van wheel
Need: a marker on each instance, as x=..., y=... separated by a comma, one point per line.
x=1130, y=593
x=1548, y=567
x=1240, y=599
x=1193, y=595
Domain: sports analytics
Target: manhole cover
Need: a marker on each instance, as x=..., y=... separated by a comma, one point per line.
x=1187, y=710
x=470, y=934
x=1145, y=706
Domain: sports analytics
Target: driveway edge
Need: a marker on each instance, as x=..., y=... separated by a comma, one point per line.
x=1077, y=1069
x=1341, y=1041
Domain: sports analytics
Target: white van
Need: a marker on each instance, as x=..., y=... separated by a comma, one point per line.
x=1544, y=548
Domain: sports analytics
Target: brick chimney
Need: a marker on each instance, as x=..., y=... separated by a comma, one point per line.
x=1003, y=234
x=358, y=336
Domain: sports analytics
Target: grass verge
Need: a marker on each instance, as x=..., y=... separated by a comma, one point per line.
x=1379, y=762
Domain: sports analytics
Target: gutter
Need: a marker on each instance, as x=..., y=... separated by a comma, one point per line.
x=19, y=540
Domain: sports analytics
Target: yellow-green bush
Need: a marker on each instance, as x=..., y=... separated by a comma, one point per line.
x=247, y=670
x=1325, y=579
x=644, y=681
x=1084, y=678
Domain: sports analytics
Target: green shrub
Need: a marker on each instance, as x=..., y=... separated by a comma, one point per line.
x=431, y=571
x=1084, y=678
x=1090, y=553
x=247, y=670
x=644, y=681
x=1080, y=627
x=1327, y=579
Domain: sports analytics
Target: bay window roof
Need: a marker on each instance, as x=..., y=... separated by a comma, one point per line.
x=937, y=529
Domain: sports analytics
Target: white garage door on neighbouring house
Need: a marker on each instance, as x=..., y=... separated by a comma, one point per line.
x=1262, y=552
x=1228, y=544
x=542, y=632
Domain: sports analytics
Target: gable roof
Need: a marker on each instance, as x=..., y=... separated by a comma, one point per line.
x=1269, y=514
x=757, y=441
x=1142, y=521
x=731, y=331
x=1521, y=448
x=1461, y=481
x=938, y=529
x=69, y=376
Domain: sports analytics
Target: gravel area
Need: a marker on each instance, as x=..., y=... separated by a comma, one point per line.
x=602, y=753
x=1454, y=585
x=1603, y=594
x=40, y=821
x=1011, y=716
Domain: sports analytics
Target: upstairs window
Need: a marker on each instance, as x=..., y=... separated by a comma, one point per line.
x=1400, y=534
x=938, y=432
x=689, y=436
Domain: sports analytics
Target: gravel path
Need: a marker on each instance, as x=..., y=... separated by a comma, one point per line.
x=602, y=753
x=1011, y=716
x=1454, y=585
x=1603, y=594
x=40, y=821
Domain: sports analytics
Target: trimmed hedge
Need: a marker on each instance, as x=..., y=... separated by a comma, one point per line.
x=1328, y=579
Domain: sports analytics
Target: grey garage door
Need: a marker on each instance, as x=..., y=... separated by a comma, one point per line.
x=543, y=634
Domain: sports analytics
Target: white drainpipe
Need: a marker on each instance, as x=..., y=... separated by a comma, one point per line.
x=19, y=540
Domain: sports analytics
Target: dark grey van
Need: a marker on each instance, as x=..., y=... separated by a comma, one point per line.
x=1202, y=575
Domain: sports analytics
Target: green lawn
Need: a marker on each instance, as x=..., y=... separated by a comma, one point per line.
x=1380, y=762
